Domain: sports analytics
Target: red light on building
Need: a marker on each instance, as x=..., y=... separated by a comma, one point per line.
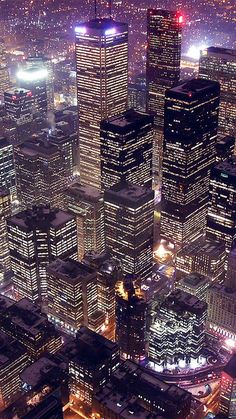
x=14, y=97
x=29, y=94
x=189, y=94
x=180, y=19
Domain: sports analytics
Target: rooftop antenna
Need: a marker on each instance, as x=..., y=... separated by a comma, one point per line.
x=95, y=8
x=109, y=5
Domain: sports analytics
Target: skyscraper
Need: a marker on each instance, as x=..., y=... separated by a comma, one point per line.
x=129, y=227
x=164, y=34
x=19, y=105
x=102, y=87
x=126, y=149
x=221, y=217
x=87, y=204
x=131, y=312
x=44, y=63
x=42, y=171
x=5, y=211
x=34, y=79
x=36, y=237
x=227, y=404
x=191, y=120
x=72, y=295
x=177, y=331
x=219, y=64
x=7, y=167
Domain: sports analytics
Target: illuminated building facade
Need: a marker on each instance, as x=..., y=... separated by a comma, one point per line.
x=221, y=300
x=227, y=403
x=72, y=295
x=219, y=64
x=164, y=34
x=129, y=227
x=194, y=284
x=5, y=212
x=38, y=179
x=7, y=167
x=126, y=149
x=4, y=81
x=91, y=364
x=102, y=87
x=137, y=94
x=109, y=271
x=131, y=311
x=14, y=359
x=221, y=217
x=24, y=321
x=190, y=132
x=205, y=257
x=19, y=105
x=87, y=204
x=34, y=79
x=135, y=390
x=177, y=332
x=44, y=63
x=37, y=237
x=224, y=147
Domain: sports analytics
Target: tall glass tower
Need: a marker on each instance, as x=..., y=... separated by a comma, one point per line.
x=190, y=131
x=164, y=35
x=102, y=87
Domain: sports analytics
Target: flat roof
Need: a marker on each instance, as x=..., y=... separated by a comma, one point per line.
x=181, y=301
x=192, y=88
x=227, y=53
x=85, y=192
x=193, y=280
x=126, y=121
x=228, y=167
x=42, y=217
x=10, y=350
x=130, y=193
x=101, y=27
x=71, y=270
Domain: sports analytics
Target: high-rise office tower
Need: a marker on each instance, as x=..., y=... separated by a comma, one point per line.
x=191, y=120
x=24, y=321
x=126, y=149
x=164, y=33
x=221, y=217
x=86, y=203
x=19, y=105
x=72, y=295
x=34, y=79
x=102, y=87
x=93, y=360
x=230, y=281
x=194, y=284
x=227, y=403
x=109, y=271
x=131, y=312
x=44, y=63
x=37, y=237
x=5, y=212
x=219, y=64
x=137, y=93
x=177, y=332
x=129, y=226
x=4, y=73
x=42, y=170
x=14, y=359
x=7, y=167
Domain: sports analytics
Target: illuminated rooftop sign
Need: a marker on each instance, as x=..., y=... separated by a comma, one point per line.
x=80, y=29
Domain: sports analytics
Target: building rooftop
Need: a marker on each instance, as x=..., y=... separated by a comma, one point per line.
x=194, y=280
x=230, y=367
x=42, y=217
x=209, y=248
x=126, y=121
x=71, y=270
x=227, y=53
x=227, y=167
x=129, y=194
x=192, y=88
x=181, y=301
x=10, y=350
x=92, y=349
x=222, y=289
x=4, y=143
x=81, y=192
x=17, y=91
x=45, y=369
x=101, y=27
x=36, y=147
